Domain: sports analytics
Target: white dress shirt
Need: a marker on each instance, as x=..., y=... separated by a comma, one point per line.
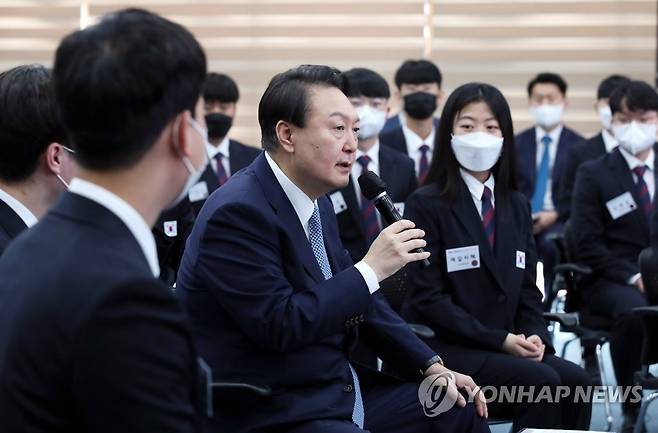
x=609, y=141
x=413, y=146
x=23, y=213
x=304, y=207
x=126, y=213
x=552, y=152
x=224, y=149
x=476, y=188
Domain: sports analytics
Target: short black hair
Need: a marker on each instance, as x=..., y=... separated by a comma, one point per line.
x=609, y=84
x=366, y=82
x=417, y=72
x=548, y=78
x=118, y=83
x=286, y=98
x=29, y=120
x=444, y=168
x=220, y=87
x=636, y=95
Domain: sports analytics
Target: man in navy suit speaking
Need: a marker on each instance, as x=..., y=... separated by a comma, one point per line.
x=274, y=298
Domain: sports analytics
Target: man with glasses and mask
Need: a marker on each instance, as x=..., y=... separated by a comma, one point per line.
x=359, y=222
x=90, y=340
x=35, y=165
x=412, y=131
x=611, y=210
x=227, y=156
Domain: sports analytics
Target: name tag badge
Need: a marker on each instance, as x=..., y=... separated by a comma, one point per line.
x=171, y=228
x=338, y=201
x=399, y=207
x=620, y=206
x=199, y=191
x=520, y=259
x=461, y=259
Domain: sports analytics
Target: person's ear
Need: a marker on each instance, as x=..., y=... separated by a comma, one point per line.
x=284, y=134
x=179, y=128
x=53, y=157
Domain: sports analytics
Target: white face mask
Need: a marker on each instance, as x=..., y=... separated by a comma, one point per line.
x=371, y=121
x=547, y=115
x=477, y=151
x=605, y=115
x=194, y=174
x=635, y=137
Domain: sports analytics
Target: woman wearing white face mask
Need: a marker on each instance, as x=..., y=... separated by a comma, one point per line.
x=479, y=293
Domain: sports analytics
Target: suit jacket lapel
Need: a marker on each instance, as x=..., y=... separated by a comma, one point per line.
x=505, y=239
x=286, y=212
x=625, y=178
x=11, y=222
x=349, y=194
x=468, y=216
x=387, y=170
x=210, y=177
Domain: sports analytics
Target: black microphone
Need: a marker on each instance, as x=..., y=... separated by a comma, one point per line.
x=374, y=189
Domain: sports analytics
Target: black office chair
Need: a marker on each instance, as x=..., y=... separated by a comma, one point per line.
x=394, y=289
x=592, y=330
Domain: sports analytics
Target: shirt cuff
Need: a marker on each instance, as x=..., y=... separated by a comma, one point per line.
x=632, y=280
x=368, y=275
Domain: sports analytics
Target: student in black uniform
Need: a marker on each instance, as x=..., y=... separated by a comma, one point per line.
x=610, y=216
x=592, y=148
x=359, y=222
x=479, y=293
x=227, y=156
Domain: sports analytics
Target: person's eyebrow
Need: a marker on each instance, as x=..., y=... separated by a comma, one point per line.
x=344, y=116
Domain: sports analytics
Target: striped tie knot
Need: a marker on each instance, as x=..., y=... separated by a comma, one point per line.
x=486, y=193
x=546, y=140
x=640, y=170
x=364, y=161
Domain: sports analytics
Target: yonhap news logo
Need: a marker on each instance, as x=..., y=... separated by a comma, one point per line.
x=436, y=395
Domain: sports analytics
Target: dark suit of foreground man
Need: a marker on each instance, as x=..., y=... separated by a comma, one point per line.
x=274, y=298
x=90, y=340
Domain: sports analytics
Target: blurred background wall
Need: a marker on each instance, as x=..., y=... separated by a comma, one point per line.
x=501, y=42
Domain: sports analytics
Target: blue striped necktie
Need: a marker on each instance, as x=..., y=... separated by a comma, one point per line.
x=541, y=182
x=317, y=245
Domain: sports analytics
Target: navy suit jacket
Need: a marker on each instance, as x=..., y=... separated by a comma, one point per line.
x=241, y=156
x=473, y=310
x=10, y=225
x=580, y=152
x=90, y=341
x=609, y=246
x=394, y=123
x=263, y=313
x=171, y=244
x=397, y=171
x=526, y=152
x=394, y=137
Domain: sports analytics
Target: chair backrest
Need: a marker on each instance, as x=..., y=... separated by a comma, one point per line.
x=648, y=262
x=574, y=300
x=394, y=289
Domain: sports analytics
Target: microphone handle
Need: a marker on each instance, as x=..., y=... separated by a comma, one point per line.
x=387, y=209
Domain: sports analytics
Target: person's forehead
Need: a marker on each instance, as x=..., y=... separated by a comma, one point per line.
x=545, y=89
x=325, y=101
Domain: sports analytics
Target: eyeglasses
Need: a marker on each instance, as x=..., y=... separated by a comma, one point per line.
x=68, y=149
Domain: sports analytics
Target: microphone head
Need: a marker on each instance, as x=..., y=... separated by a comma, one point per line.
x=371, y=185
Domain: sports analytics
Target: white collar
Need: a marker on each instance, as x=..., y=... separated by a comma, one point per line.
x=414, y=141
x=633, y=161
x=554, y=134
x=609, y=140
x=126, y=213
x=223, y=148
x=19, y=208
x=302, y=203
x=372, y=153
x=476, y=187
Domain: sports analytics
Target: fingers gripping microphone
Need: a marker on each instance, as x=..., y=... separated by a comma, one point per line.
x=374, y=189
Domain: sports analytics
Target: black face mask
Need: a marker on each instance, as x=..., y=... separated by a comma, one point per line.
x=218, y=125
x=420, y=105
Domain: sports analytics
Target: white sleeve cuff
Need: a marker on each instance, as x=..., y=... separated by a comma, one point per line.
x=368, y=275
x=632, y=280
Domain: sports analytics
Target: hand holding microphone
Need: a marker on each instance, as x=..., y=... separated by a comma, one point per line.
x=399, y=243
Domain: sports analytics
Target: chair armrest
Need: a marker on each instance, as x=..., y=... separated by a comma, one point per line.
x=565, y=319
x=230, y=394
x=575, y=268
x=422, y=331
x=646, y=311
x=555, y=237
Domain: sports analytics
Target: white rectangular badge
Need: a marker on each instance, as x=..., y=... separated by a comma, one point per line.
x=199, y=191
x=399, y=207
x=520, y=259
x=171, y=228
x=620, y=206
x=338, y=201
x=460, y=259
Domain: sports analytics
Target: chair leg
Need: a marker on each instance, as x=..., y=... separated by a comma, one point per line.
x=566, y=345
x=646, y=401
x=602, y=373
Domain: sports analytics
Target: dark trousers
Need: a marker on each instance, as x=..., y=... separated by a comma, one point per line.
x=507, y=370
x=616, y=301
x=396, y=409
